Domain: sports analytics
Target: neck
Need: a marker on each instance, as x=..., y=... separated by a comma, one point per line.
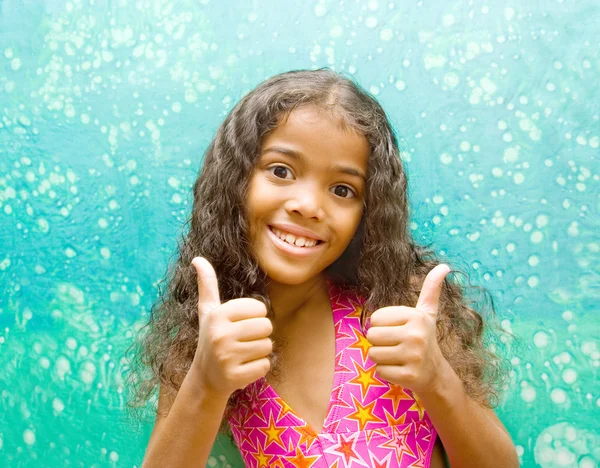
x=290, y=302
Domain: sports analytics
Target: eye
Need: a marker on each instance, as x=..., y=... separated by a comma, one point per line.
x=343, y=191
x=279, y=171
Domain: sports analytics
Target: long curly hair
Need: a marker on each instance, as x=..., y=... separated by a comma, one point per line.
x=382, y=262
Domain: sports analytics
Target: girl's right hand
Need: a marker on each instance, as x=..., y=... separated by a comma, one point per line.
x=233, y=340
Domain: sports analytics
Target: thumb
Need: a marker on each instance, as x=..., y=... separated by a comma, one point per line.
x=208, y=286
x=432, y=287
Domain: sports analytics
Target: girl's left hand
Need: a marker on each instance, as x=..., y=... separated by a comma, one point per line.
x=404, y=341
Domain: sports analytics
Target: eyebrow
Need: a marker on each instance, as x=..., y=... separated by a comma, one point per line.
x=299, y=156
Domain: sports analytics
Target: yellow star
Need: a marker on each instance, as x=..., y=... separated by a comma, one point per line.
x=361, y=343
x=285, y=410
x=272, y=432
x=262, y=459
x=417, y=406
x=363, y=414
x=366, y=379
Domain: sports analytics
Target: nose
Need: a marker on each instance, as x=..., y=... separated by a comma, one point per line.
x=307, y=202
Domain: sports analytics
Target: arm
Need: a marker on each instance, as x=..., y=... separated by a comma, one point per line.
x=472, y=434
x=232, y=351
x=185, y=436
x=407, y=353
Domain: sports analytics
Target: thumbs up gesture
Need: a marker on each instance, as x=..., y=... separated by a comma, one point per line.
x=233, y=339
x=404, y=343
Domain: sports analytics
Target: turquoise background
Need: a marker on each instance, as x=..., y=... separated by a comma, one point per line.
x=107, y=106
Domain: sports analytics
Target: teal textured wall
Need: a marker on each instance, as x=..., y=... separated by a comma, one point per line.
x=107, y=106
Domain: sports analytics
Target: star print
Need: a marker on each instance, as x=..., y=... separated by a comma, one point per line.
x=363, y=414
x=286, y=411
x=336, y=395
x=256, y=407
x=374, y=432
x=307, y=435
x=366, y=379
x=273, y=432
x=300, y=461
x=345, y=448
x=417, y=406
x=384, y=463
x=396, y=393
x=262, y=459
x=399, y=442
x=420, y=461
x=361, y=344
x=332, y=427
x=340, y=368
x=338, y=330
x=392, y=421
x=357, y=309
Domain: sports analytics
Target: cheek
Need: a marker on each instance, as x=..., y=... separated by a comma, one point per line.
x=261, y=194
x=351, y=223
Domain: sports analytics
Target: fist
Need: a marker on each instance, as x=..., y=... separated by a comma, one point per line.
x=233, y=338
x=404, y=342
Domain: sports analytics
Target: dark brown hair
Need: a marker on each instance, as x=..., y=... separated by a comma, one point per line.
x=382, y=262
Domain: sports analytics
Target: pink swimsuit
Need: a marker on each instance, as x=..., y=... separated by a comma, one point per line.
x=370, y=423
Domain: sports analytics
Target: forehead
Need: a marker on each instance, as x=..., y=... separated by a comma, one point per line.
x=321, y=136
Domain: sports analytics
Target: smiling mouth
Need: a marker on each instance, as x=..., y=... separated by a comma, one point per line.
x=293, y=240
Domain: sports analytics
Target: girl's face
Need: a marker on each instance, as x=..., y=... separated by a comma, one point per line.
x=308, y=184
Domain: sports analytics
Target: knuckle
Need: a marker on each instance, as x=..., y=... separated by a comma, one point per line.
x=230, y=375
x=409, y=377
x=268, y=325
x=409, y=312
x=414, y=357
x=222, y=357
x=382, y=373
x=259, y=308
x=219, y=336
x=374, y=318
x=419, y=339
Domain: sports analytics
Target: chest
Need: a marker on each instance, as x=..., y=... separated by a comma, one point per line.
x=307, y=377
x=306, y=369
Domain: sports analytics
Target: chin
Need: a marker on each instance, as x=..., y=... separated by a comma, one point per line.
x=286, y=275
x=289, y=279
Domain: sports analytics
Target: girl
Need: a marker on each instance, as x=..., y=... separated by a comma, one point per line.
x=301, y=316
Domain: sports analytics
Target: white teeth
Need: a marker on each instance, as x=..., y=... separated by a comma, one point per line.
x=298, y=241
